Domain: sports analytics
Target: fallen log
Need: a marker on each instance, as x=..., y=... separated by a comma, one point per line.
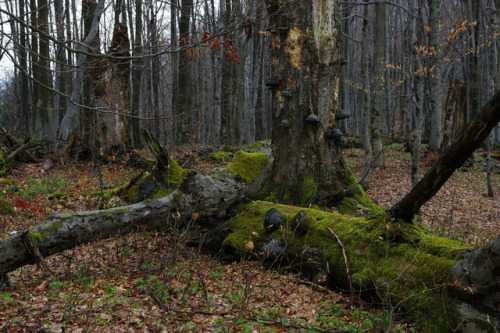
x=397, y=264
x=200, y=194
x=441, y=284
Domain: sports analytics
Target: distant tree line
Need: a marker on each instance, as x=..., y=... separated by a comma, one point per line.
x=199, y=71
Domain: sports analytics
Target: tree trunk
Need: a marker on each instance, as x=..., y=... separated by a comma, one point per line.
x=367, y=100
x=305, y=78
x=417, y=90
x=184, y=106
x=229, y=89
x=463, y=147
x=70, y=121
x=114, y=129
x=137, y=69
x=379, y=70
x=435, y=80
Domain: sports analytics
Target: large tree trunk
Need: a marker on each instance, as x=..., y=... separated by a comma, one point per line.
x=305, y=79
x=471, y=138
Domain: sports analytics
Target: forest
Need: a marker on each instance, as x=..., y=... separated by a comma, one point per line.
x=157, y=158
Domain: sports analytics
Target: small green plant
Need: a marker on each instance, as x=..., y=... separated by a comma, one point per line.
x=6, y=207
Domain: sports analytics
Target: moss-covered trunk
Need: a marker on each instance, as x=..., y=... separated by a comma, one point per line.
x=396, y=263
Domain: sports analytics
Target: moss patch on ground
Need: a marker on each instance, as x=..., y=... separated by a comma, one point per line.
x=247, y=167
x=398, y=260
x=221, y=156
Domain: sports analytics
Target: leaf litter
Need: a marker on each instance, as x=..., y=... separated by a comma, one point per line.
x=151, y=282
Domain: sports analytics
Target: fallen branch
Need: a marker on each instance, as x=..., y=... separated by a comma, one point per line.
x=348, y=272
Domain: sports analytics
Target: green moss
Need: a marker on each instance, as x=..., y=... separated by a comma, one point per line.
x=308, y=189
x=220, y=156
x=6, y=181
x=379, y=252
x=173, y=177
x=57, y=195
x=483, y=326
x=4, y=167
x=361, y=200
x=441, y=246
x=160, y=193
x=257, y=145
x=247, y=166
x=35, y=237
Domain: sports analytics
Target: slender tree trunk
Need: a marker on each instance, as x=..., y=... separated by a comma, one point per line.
x=184, y=105
x=378, y=103
x=61, y=76
x=367, y=99
x=155, y=72
x=229, y=86
x=417, y=95
x=435, y=80
x=137, y=70
x=24, y=97
x=474, y=64
x=70, y=121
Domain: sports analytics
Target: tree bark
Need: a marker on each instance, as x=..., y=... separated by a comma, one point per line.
x=463, y=147
x=184, y=105
x=70, y=122
x=379, y=69
x=305, y=79
x=137, y=69
x=435, y=79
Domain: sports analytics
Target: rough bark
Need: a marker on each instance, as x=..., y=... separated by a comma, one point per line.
x=305, y=82
x=458, y=152
x=137, y=69
x=379, y=69
x=111, y=92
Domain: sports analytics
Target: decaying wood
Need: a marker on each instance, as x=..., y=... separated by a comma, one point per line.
x=459, y=151
x=157, y=150
x=200, y=194
x=17, y=148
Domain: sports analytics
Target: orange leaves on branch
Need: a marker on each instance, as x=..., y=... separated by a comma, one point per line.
x=216, y=46
x=229, y=48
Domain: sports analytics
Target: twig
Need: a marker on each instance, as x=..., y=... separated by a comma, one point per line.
x=348, y=272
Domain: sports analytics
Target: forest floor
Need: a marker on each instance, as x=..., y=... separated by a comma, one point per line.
x=152, y=281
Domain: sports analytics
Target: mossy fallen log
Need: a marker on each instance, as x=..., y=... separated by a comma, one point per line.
x=184, y=193
x=399, y=264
